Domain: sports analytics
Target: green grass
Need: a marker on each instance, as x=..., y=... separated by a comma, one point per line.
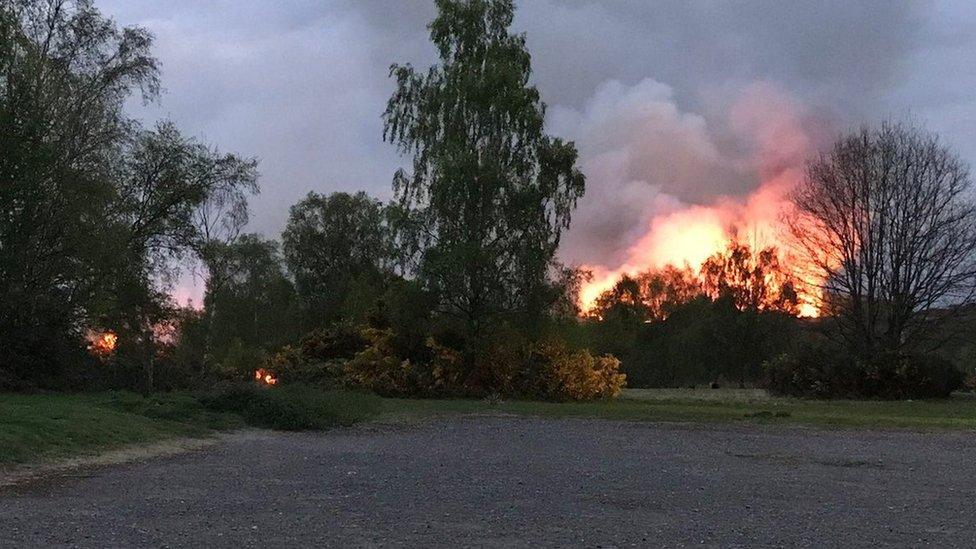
x=52, y=426
x=46, y=427
x=721, y=405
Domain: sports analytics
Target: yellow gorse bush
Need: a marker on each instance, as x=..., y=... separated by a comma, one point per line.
x=568, y=374
x=377, y=368
x=511, y=366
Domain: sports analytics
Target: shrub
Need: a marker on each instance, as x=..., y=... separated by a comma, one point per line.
x=377, y=368
x=820, y=373
x=502, y=366
x=918, y=376
x=555, y=372
x=320, y=356
x=291, y=365
x=790, y=375
x=290, y=408
x=447, y=372
x=970, y=381
x=340, y=341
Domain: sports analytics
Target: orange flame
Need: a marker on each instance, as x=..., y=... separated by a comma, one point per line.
x=102, y=344
x=690, y=236
x=778, y=134
x=264, y=376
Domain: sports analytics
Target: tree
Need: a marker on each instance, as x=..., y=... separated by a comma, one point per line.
x=887, y=222
x=666, y=289
x=254, y=303
x=339, y=250
x=623, y=303
x=752, y=281
x=490, y=191
x=94, y=210
x=649, y=296
x=65, y=73
x=162, y=181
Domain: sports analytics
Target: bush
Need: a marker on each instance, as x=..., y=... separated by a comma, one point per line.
x=378, y=369
x=800, y=375
x=917, y=376
x=340, y=341
x=821, y=373
x=547, y=370
x=970, y=381
x=290, y=365
x=290, y=408
x=558, y=373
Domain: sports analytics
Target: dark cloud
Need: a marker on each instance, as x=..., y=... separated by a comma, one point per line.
x=837, y=50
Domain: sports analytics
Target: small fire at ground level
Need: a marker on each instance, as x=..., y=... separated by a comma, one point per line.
x=265, y=377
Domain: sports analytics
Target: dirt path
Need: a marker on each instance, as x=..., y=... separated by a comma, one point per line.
x=515, y=482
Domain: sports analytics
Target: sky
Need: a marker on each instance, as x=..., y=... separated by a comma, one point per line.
x=672, y=104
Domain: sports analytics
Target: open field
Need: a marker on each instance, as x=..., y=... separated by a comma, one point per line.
x=50, y=427
x=514, y=481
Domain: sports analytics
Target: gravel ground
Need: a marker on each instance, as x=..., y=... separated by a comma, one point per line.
x=498, y=481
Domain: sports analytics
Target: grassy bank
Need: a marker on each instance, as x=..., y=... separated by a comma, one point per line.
x=47, y=427
x=44, y=427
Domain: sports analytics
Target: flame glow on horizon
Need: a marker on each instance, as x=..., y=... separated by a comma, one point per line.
x=689, y=236
x=638, y=138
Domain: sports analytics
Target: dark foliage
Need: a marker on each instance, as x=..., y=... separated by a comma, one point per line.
x=700, y=341
x=294, y=408
x=489, y=192
x=826, y=371
x=95, y=211
x=339, y=249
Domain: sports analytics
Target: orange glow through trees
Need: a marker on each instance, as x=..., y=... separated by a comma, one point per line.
x=102, y=344
x=688, y=237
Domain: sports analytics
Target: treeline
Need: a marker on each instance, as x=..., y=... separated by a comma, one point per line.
x=882, y=229
x=95, y=209
x=679, y=327
x=451, y=289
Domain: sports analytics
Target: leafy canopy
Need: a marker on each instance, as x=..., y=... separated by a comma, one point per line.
x=489, y=192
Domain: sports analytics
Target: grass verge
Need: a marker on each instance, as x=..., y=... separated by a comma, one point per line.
x=722, y=405
x=292, y=408
x=49, y=427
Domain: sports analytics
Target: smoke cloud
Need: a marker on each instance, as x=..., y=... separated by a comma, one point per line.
x=646, y=159
x=678, y=107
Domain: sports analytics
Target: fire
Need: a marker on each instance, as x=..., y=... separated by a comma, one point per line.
x=264, y=376
x=688, y=237
x=102, y=344
x=774, y=134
